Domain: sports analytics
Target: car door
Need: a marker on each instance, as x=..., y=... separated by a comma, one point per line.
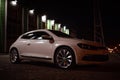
x=39, y=46
x=24, y=43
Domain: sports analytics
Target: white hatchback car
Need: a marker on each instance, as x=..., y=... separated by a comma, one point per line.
x=58, y=48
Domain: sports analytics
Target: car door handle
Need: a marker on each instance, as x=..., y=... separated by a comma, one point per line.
x=28, y=44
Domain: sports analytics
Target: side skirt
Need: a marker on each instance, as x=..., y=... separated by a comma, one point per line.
x=34, y=57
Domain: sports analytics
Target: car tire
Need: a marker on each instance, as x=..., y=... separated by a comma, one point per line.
x=64, y=58
x=14, y=56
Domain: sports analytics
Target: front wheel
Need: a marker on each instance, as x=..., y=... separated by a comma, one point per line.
x=14, y=56
x=64, y=58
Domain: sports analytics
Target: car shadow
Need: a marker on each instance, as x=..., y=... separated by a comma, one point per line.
x=108, y=67
x=39, y=63
x=99, y=68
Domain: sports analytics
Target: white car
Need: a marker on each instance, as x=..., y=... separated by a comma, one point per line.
x=58, y=48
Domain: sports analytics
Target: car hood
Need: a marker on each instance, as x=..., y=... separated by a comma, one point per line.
x=83, y=41
x=69, y=39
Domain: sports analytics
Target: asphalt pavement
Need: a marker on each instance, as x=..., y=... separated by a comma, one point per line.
x=35, y=70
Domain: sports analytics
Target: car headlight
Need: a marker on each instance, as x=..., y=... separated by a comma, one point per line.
x=90, y=47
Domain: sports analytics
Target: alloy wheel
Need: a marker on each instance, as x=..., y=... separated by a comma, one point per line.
x=64, y=58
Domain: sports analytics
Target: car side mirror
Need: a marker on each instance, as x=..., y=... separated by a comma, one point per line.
x=47, y=37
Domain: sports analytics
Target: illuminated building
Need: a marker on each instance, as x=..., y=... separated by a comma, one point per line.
x=16, y=19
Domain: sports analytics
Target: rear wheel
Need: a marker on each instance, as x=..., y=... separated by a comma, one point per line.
x=64, y=58
x=14, y=56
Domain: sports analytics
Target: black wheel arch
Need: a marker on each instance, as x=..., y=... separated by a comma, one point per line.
x=17, y=53
x=12, y=49
x=15, y=49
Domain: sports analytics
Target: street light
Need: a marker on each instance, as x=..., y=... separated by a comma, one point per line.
x=43, y=21
x=59, y=27
x=44, y=18
x=64, y=28
x=52, y=22
x=13, y=3
x=31, y=11
x=67, y=31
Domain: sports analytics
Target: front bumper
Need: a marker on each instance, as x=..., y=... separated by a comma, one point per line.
x=84, y=56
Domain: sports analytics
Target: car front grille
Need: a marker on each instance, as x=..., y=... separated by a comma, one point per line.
x=95, y=58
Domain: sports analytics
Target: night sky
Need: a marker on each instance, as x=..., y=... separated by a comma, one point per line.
x=78, y=14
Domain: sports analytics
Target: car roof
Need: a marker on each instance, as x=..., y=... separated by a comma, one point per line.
x=35, y=30
x=39, y=30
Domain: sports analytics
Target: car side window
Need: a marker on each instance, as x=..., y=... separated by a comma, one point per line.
x=35, y=35
x=39, y=35
x=27, y=36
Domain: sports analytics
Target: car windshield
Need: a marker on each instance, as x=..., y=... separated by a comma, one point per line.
x=60, y=34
